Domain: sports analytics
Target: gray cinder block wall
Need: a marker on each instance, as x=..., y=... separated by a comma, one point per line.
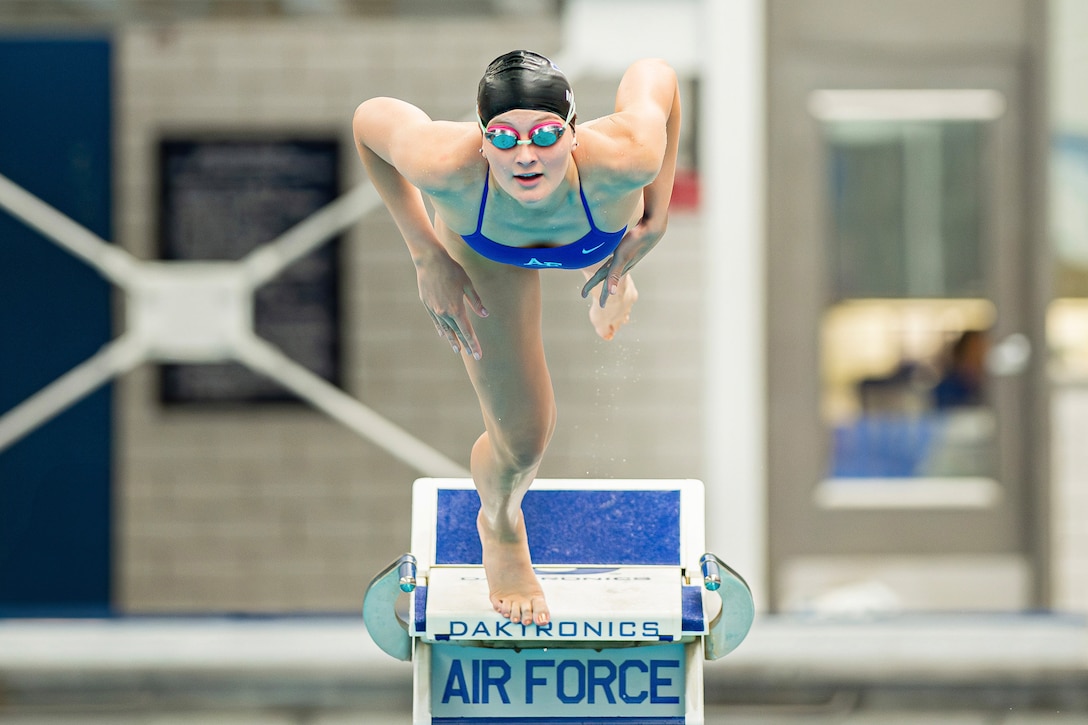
x=278, y=508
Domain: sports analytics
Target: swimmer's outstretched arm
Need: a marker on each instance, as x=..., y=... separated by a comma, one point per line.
x=645, y=132
x=398, y=144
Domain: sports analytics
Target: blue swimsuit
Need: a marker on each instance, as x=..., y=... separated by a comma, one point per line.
x=594, y=247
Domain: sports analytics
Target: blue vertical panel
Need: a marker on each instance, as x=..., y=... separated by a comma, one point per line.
x=54, y=313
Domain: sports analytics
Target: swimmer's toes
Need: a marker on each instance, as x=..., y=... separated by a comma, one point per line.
x=540, y=611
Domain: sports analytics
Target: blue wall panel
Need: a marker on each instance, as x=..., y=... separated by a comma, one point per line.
x=55, y=505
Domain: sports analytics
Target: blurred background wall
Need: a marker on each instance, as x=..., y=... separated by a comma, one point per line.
x=270, y=506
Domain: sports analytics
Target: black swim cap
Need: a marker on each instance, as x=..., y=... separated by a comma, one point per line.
x=523, y=79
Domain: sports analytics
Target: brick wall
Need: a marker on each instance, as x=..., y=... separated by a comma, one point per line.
x=278, y=508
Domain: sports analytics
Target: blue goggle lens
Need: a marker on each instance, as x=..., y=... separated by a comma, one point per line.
x=504, y=138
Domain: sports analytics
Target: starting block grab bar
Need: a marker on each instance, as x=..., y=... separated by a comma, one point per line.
x=637, y=604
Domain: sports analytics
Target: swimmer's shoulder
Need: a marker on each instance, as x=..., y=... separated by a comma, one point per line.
x=434, y=155
x=441, y=158
x=612, y=153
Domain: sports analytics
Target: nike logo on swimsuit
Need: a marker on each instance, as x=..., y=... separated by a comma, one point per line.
x=593, y=249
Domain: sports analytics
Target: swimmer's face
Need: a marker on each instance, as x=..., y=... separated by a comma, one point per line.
x=528, y=172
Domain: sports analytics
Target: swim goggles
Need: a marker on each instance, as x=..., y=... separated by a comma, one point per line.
x=544, y=134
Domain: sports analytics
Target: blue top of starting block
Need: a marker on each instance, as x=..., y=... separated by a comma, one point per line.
x=607, y=527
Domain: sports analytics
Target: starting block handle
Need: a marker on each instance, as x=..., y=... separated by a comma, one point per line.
x=379, y=607
x=738, y=611
x=712, y=572
x=406, y=573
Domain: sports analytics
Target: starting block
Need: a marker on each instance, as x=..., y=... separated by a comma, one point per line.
x=636, y=606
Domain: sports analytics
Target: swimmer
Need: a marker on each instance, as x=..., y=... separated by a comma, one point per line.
x=520, y=189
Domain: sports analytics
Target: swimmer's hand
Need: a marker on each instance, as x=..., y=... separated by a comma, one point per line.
x=636, y=244
x=444, y=289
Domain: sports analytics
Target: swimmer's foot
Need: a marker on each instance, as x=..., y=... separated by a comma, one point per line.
x=616, y=312
x=515, y=592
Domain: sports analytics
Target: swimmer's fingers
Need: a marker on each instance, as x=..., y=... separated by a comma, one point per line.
x=474, y=301
x=456, y=326
x=596, y=279
x=635, y=245
x=612, y=282
x=444, y=330
x=447, y=293
x=467, y=336
x=609, y=273
x=459, y=333
x=465, y=328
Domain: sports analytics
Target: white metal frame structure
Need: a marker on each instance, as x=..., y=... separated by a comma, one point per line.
x=195, y=312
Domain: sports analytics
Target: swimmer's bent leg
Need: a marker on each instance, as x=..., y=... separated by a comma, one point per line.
x=514, y=387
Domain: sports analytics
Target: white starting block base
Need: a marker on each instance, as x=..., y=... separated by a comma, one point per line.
x=636, y=605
